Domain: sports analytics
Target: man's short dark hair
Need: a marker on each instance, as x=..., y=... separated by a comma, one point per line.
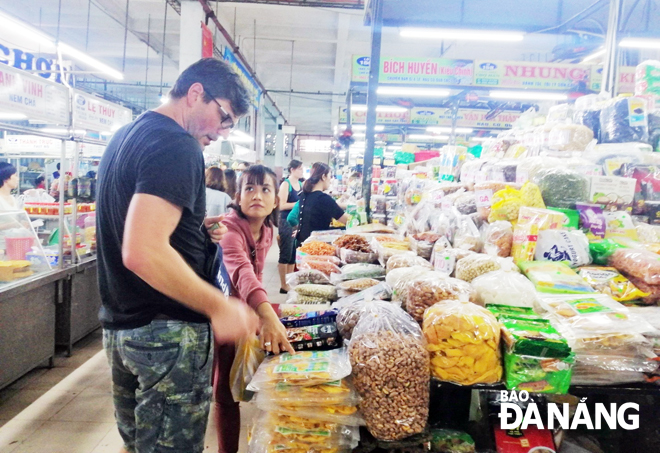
x=221, y=81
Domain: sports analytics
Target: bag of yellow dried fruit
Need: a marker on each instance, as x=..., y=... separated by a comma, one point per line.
x=464, y=342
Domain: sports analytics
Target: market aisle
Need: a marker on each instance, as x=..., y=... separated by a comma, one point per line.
x=68, y=409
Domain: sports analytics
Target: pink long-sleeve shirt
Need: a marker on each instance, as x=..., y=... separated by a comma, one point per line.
x=245, y=259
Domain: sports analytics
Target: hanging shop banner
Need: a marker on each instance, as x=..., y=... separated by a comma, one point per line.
x=91, y=112
x=33, y=59
x=531, y=75
x=31, y=144
x=381, y=117
x=626, y=79
x=433, y=71
x=248, y=80
x=478, y=118
x=207, y=41
x=33, y=96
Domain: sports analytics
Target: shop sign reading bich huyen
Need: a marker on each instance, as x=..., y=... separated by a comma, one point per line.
x=90, y=112
x=442, y=71
x=360, y=117
x=531, y=75
x=33, y=96
x=466, y=118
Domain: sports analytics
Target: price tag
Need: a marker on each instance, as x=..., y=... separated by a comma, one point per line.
x=484, y=198
x=446, y=205
x=522, y=177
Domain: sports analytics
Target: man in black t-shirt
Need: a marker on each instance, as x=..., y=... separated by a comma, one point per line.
x=156, y=258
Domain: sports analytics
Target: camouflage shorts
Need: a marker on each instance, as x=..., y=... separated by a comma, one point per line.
x=161, y=383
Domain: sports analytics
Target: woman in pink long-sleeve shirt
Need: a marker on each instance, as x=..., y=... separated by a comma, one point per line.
x=245, y=247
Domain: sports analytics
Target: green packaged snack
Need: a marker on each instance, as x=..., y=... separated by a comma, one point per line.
x=554, y=278
x=538, y=374
x=602, y=249
x=572, y=220
x=508, y=310
x=451, y=441
x=533, y=337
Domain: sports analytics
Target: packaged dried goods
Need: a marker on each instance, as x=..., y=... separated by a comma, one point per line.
x=607, y=280
x=311, y=318
x=623, y=120
x=340, y=392
x=510, y=311
x=464, y=342
x=619, y=225
x=506, y=204
x=504, y=288
x=466, y=203
x=646, y=77
x=357, y=285
x=533, y=337
x=327, y=292
x=406, y=260
x=571, y=247
x=602, y=249
x=359, y=270
x=570, y=137
x=299, y=299
x=647, y=234
x=390, y=372
x=326, y=267
x=302, y=258
x=381, y=291
x=562, y=187
x=318, y=248
x=247, y=359
x=531, y=196
x=652, y=291
x=376, y=228
x=304, y=368
x=467, y=235
x=350, y=312
x=592, y=220
x=328, y=413
x=525, y=233
x=315, y=337
x=475, y=265
x=607, y=370
x=451, y=441
x=538, y=374
x=353, y=242
x=555, y=278
x=298, y=310
x=504, y=170
x=307, y=276
x=498, y=239
x=638, y=263
x=398, y=280
x=386, y=250
x=429, y=289
x=351, y=257
x=483, y=192
x=328, y=236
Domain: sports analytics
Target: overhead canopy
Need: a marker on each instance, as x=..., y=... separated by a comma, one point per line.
x=546, y=16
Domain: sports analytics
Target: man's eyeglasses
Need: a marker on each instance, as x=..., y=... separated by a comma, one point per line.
x=226, y=121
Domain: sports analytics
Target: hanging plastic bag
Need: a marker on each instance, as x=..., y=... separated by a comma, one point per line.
x=249, y=356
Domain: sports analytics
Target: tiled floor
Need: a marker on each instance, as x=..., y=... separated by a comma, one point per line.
x=68, y=409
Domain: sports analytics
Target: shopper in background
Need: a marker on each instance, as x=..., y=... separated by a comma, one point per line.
x=317, y=208
x=56, y=173
x=40, y=182
x=230, y=183
x=156, y=258
x=289, y=194
x=245, y=247
x=217, y=199
x=8, y=182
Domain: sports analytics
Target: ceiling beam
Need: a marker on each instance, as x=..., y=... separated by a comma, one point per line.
x=345, y=4
x=343, y=28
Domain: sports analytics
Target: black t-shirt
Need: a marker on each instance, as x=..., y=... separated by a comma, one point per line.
x=317, y=211
x=153, y=155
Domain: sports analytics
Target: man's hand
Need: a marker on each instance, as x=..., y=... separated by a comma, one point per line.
x=234, y=321
x=215, y=227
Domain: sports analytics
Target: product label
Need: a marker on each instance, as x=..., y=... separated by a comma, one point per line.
x=300, y=368
x=614, y=192
x=588, y=305
x=637, y=112
x=444, y=262
x=484, y=198
x=308, y=355
x=522, y=176
x=306, y=432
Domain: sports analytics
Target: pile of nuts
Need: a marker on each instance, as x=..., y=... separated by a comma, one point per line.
x=358, y=285
x=327, y=292
x=406, y=260
x=310, y=276
x=353, y=242
x=347, y=319
x=318, y=248
x=475, y=265
x=391, y=373
x=426, y=291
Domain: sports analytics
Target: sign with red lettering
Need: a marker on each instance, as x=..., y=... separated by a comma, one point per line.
x=626, y=79
x=531, y=75
x=90, y=112
x=443, y=71
x=476, y=118
x=381, y=117
x=33, y=96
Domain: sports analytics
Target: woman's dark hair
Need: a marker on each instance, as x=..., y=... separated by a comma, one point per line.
x=319, y=170
x=256, y=175
x=215, y=179
x=39, y=180
x=6, y=172
x=230, y=183
x=219, y=81
x=294, y=165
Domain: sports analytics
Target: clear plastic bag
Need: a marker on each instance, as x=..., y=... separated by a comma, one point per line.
x=391, y=372
x=331, y=413
x=398, y=280
x=304, y=368
x=431, y=288
x=504, y=288
x=327, y=292
x=290, y=310
x=307, y=276
x=294, y=298
x=506, y=204
x=475, y=265
x=555, y=278
x=570, y=137
x=337, y=393
x=467, y=235
x=607, y=280
x=639, y=263
x=359, y=270
x=326, y=267
x=483, y=192
x=498, y=239
x=559, y=245
x=562, y=188
x=525, y=233
x=351, y=257
x=406, y=260
x=317, y=248
x=387, y=250
x=357, y=285
x=464, y=341
x=652, y=291
x=353, y=242
x=249, y=356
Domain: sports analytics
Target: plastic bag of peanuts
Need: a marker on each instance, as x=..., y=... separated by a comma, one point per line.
x=433, y=287
x=390, y=372
x=464, y=342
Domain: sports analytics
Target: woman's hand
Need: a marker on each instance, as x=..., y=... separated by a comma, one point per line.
x=273, y=336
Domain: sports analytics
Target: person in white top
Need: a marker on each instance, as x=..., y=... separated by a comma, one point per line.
x=8, y=182
x=217, y=199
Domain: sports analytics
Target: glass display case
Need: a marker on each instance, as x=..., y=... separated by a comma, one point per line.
x=22, y=256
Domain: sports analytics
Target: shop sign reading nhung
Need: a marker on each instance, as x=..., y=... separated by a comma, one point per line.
x=443, y=71
x=90, y=112
x=360, y=117
x=531, y=75
x=244, y=75
x=466, y=118
x=33, y=96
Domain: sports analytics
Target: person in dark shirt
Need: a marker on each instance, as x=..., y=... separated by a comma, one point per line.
x=288, y=194
x=317, y=208
x=157, y=267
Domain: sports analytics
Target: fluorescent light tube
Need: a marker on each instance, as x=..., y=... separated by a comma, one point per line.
x=363, y=127
x=640, y=43
x=19, y=29
x=93, y=62
x=12, y=116
x=447, y=130
x=528, y=95
x=413, y=91
x=57, y=130
x=380, y=108
x=428, y=137
x=468, y=35
x=598, y=53
x=240, y=137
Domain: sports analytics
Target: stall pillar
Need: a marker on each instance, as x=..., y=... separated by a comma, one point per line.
x=611, y=62
x=260, y=132
x=190, y=38
x=279, y=143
